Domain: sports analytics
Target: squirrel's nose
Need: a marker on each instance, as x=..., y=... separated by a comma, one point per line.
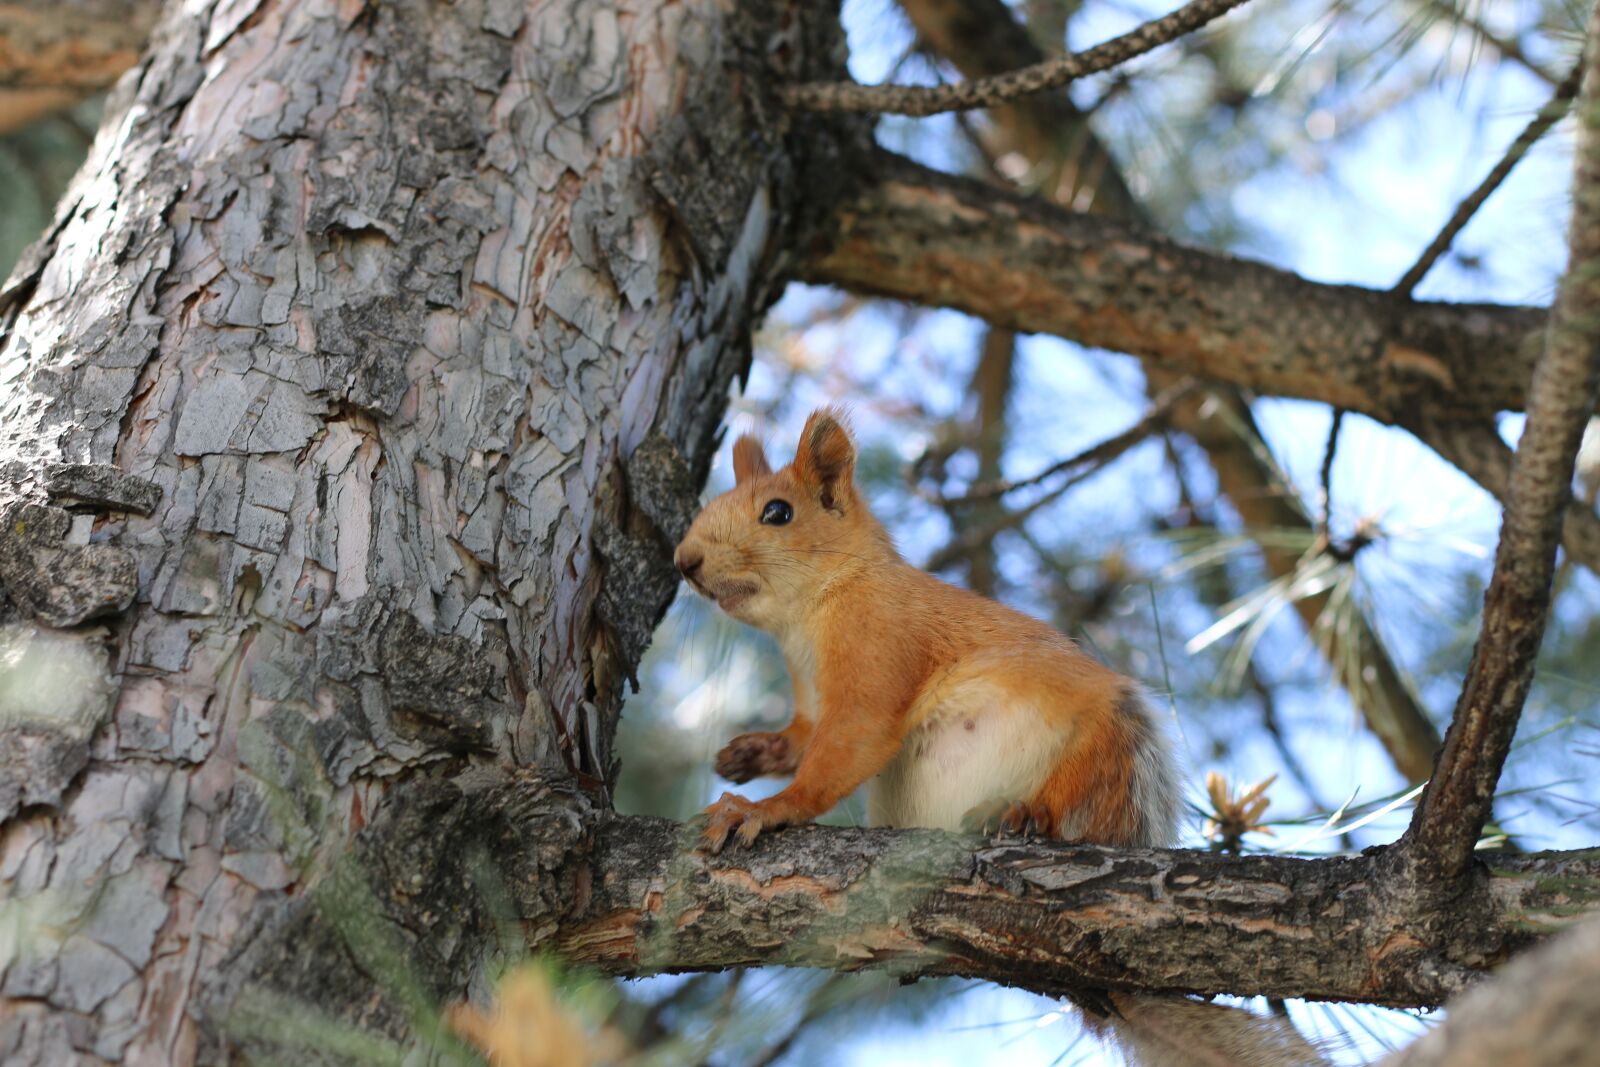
x=689, y=563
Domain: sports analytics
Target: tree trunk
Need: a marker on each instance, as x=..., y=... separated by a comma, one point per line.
x=373, y=362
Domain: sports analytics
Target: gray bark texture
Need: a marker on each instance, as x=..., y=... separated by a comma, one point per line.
x=350, y=405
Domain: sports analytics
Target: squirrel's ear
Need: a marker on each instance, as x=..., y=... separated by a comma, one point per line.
x=748, y=460
x=826, y=458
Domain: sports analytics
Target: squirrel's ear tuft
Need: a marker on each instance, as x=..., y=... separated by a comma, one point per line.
x=749, y=461
x=826, y=458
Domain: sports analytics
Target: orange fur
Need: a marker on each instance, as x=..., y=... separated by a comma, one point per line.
x=947, y=699
x=1093, y=783
x=961, y=712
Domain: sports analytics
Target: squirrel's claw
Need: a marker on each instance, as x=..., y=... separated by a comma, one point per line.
x=985, y=818
x=730, y=813
x=999, y=818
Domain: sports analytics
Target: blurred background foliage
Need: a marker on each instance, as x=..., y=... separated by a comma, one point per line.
x=36, y=162
x=1331, y=138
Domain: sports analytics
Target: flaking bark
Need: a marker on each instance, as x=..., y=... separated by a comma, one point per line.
x=406, y=330
x=379, y=350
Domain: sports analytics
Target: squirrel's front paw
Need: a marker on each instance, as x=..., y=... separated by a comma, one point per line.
x=753, y=755
x=731, y=814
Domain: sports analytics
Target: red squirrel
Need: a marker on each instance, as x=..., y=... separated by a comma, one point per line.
x=962, y=713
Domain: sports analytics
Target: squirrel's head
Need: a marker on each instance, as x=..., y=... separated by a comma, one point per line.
x=767, y=547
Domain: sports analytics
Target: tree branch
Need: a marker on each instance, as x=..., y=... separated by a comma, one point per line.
x=448, y=867
x=1325, y=477
x=1081, y=465
x=932, y=238
x=987, y=92
x=1516, y=606
x=1536, y=128
x=1053, y=917
x=1096, y=455
x=1538, y=1012
x=1070, y=165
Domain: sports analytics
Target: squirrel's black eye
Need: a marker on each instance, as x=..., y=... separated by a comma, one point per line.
x=777, y=513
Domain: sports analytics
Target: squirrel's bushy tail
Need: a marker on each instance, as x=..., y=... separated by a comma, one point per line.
x=1176, y=1031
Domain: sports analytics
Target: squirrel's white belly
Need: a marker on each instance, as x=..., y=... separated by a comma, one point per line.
x=978, y=745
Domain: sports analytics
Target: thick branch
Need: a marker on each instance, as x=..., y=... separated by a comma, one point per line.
x=1045, y=917
x=1051, y=917
x=933, y=238
x=1516, y=606
x=1051, y=74
x=447, y=865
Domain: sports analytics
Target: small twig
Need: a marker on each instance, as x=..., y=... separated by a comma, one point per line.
x=1090, y=460
x=1547, y=117
x=1154, y=418
x=987, y=92
x=1328, y=453
x=1516, y=606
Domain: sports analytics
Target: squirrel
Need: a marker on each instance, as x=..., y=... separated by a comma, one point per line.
x=963, y=714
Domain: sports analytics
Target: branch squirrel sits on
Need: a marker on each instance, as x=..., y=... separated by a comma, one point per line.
x=964, y=715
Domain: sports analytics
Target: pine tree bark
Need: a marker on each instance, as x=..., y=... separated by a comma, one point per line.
x=372, y=364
